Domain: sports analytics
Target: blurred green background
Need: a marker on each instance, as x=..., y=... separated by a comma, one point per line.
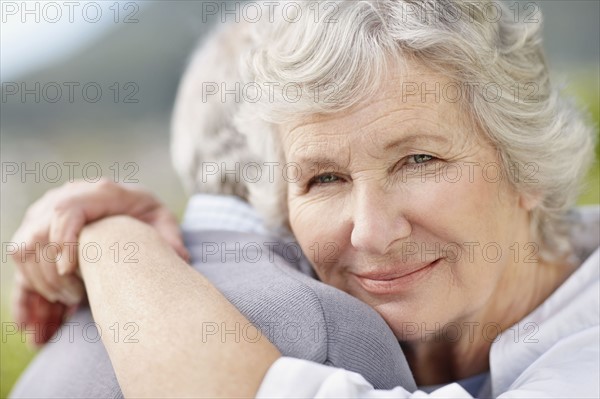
x=152, y=53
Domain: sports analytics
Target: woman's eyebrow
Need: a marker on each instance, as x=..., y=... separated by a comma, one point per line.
x=326, y=160
x=322, y=161
x=387, y=146
x=414, y=138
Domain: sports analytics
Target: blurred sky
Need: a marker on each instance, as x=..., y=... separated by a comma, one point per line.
x=37, y=33
x=27, y=43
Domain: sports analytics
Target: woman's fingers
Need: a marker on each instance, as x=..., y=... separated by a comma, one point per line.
x=166, y=225
x=53, y=321
x=69, y=287
x=34, y=313
x=46, y=320
x=30, y=266
x=65, y=226
x=36, y=255
x=35, y=260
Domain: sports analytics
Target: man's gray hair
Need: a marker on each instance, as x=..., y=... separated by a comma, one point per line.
x=206, y=149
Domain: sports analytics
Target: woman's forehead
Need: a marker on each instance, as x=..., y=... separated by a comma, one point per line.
x=412, y=89
x=390, y=116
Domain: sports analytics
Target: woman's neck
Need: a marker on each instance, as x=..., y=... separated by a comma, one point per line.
x=522, y=288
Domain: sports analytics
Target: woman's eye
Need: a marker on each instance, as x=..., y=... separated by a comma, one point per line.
x=419, y=158
x=324, y=179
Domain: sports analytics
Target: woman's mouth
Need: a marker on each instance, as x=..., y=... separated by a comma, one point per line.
x=389, y=283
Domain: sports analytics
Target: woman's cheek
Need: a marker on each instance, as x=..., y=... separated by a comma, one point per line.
x=317, y=225
x=426, y=202
x=446, y=197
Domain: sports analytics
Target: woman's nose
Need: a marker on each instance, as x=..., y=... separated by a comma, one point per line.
x=378, y=220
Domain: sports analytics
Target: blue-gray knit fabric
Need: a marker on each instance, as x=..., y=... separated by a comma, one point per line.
x=313, y=321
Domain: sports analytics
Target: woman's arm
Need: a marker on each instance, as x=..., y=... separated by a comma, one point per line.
x=171, y=305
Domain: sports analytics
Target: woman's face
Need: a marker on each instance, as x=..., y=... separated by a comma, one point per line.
x=400, y=205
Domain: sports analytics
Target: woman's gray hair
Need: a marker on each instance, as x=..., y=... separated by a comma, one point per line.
x=339, y=58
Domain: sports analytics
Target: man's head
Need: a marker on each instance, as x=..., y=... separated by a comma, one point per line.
x=207, y=151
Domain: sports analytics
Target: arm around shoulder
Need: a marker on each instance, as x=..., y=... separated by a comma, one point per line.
x=167, y=303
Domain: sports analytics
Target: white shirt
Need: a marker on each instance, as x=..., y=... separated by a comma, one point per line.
x=222, y=212
x=230, y=213
x=552, y=352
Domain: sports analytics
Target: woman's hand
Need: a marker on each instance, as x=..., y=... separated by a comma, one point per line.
x=36, y=314
x=47, y=243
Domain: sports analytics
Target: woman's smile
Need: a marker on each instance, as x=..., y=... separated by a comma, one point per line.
x=394, y=282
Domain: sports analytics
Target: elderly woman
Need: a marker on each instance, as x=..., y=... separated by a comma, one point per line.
x=426, y=166
x=440, y=162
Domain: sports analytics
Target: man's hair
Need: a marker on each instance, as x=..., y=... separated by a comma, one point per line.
x=206, y=149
